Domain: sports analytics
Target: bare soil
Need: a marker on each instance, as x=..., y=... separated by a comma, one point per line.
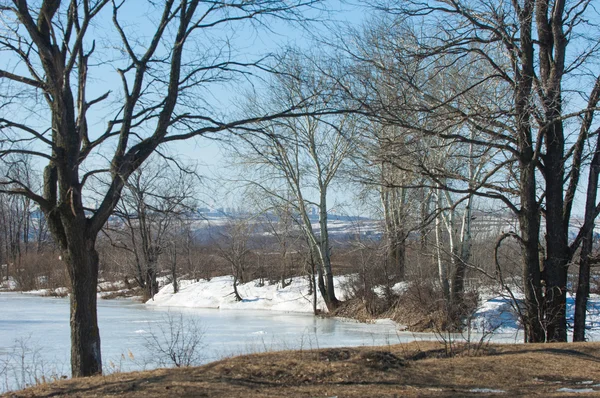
x=414, y=369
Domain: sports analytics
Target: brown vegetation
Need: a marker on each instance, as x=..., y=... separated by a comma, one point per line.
x=415, y=369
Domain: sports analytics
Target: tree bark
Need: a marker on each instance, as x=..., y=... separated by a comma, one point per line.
x=461, y=258
x=442, y=266
x=393, y=203
x=583, y=283
x=397, y=255
x=529, y=223
x=82, y=263
x=325, y=252
x=557, y=245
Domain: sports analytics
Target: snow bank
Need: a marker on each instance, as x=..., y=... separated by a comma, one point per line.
x=59, y=291
x=577, y=390
x=495, y=315
x=218, y=293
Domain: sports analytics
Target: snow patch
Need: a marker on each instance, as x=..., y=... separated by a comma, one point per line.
x=576, y=390
x=497, y=314
x=487, y=390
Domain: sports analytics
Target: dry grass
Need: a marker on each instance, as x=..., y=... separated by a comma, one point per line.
x=415, y=369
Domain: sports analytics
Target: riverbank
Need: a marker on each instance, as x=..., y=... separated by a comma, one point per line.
x=413, y=369
x=494, y=314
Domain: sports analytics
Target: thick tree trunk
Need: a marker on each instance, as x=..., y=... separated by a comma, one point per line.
x=552, y=42
x=82, y=262
x=557, y=244
x=555, y=276
x=529, y=223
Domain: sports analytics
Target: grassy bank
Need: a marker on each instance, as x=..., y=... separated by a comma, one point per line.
x=414, y=369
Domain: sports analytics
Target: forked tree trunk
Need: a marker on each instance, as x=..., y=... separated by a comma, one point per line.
x=312, y=289
x=324, y=252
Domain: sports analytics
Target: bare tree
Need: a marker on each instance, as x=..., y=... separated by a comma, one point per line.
x=50, y=64
x=233, y=246
x=283, y=226
x=177, y=341
x=156, y=198
x=512, y=62
x=301, y=157
x=23, y=229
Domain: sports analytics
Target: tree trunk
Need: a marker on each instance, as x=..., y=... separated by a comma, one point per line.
x=82, y=262
x=583, y=284
x=174, y=275
x=458, y=283
x=311, y=285
x=583, y=289
x=393, y=202
x=555, y=276
x=325, y=255
x=235, y=290
x=151, y=285
x=398, y=255
x=557, y=244
x=529, y=223
x=442, y=267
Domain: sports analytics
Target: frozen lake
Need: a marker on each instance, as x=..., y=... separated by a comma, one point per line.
x=125, y=326
x=43, y=322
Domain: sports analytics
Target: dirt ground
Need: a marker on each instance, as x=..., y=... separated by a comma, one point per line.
x=414, y=369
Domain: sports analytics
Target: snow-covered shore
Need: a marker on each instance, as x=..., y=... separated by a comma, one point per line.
x=218, y=293
x=495, y=313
